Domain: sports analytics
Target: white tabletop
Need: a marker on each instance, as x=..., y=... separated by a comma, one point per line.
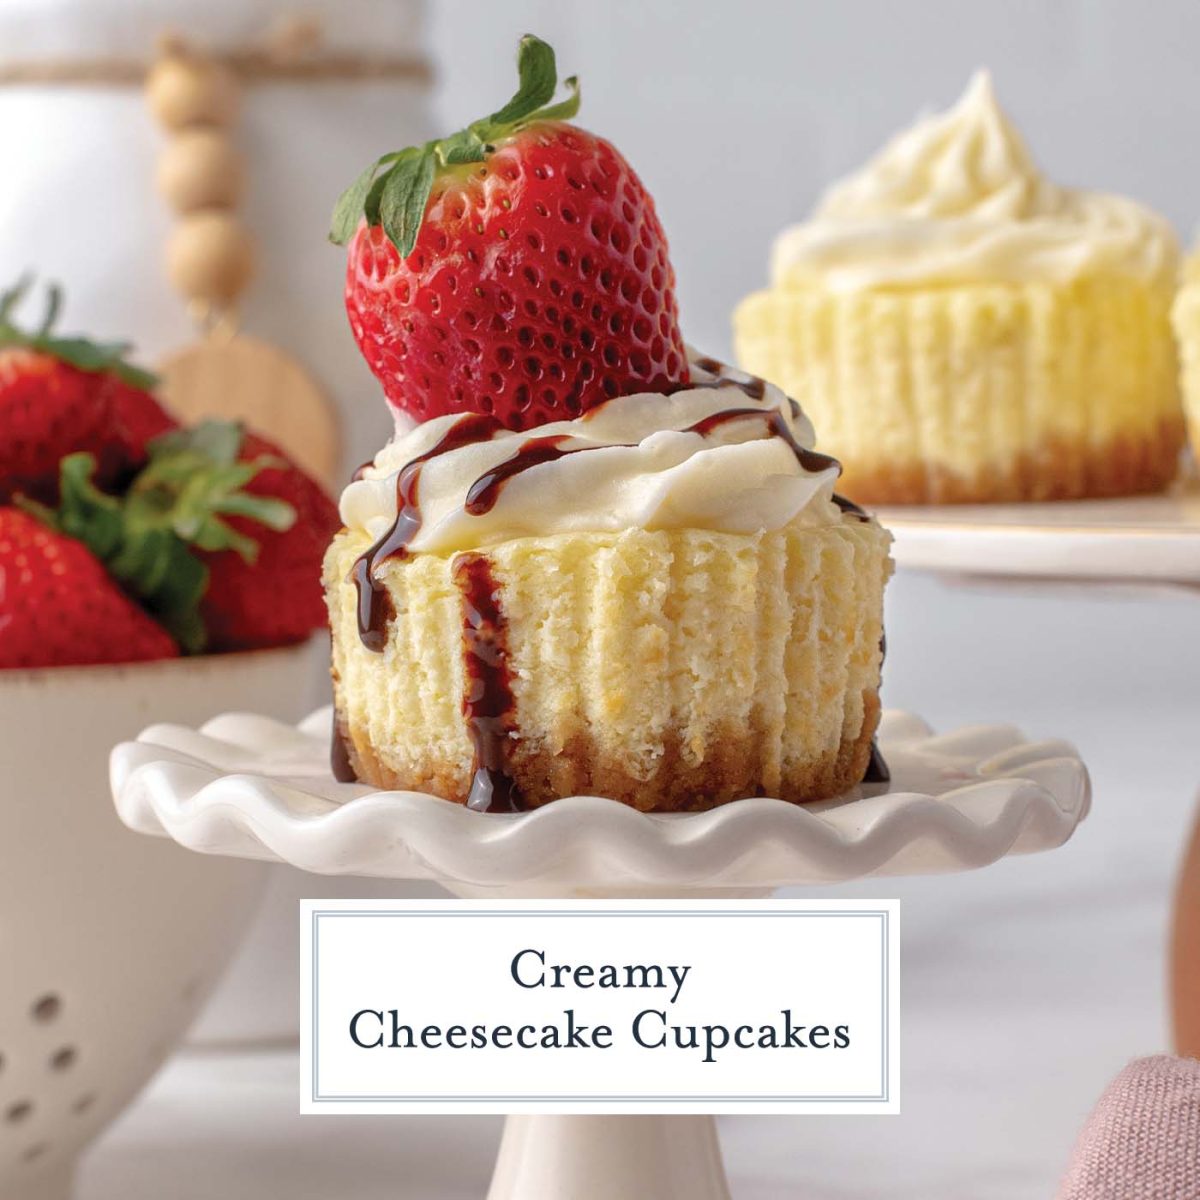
x=1027, y=985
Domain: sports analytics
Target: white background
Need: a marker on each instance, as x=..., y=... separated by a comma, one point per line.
x=445, y=965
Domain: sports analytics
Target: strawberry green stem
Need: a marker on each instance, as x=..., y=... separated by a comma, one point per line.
x=81, y=353
x=394, y=190
x=176, y=505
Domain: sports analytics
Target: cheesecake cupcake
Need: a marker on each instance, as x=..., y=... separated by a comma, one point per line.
x=961, y=329
x=588, y=563
x=1186, y=317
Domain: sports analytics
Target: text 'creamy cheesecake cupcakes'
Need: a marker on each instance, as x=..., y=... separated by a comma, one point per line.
x=593, y=567
x=1186, y=315
x=961, y=329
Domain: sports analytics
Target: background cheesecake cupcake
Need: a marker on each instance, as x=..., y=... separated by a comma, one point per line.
x=961, y=329
x=1186, y=316
x=585, y=564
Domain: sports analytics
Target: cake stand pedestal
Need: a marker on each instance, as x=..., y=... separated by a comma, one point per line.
x=609, y=1158
x=250, y=787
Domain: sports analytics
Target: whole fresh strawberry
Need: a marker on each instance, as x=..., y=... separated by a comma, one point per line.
x=273, y=595
x=139, y=417
x=515, y=268
x=218, y=537
x=60, y=607
x=61, y=395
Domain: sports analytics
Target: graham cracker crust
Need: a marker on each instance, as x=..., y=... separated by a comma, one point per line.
x=731, y=769
x=1058, y=470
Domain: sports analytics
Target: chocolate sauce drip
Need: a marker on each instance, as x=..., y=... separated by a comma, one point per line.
x=810, y=460
x=877, y=768
x=485, y=491
x=850, y=508
x=376, y=611
x=488, y=703
x=752, y=386
x=339, y=755
x=375, y=608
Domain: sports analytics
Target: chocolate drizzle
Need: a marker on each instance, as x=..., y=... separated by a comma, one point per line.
x=850, y=508
x=488, y=703
x=375, y=608
x=772, y=418
x=877, y=768
x=485, y=491
x=752, y=386
x=339, y=755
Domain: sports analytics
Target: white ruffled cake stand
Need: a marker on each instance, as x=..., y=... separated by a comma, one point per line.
x=249, y=787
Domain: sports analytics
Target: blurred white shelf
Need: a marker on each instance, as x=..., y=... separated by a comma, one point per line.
x=1134, y=540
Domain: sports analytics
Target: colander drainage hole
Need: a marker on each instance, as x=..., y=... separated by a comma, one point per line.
x=83, y=1103
x=64, y=1059
x=46, y=1008
x=35, y=1151
x=14, y=1114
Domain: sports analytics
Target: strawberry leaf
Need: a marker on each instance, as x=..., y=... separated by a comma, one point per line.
x=393, y=192
x=194, y=478
x=148, y=560
x=566, y=109
x=403, y=198
x=176, y=505
x=101, y=358
x=537, y=75
x=349, y=209
x=218, y=442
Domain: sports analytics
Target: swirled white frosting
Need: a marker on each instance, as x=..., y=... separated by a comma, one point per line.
x=957, y=199
x=643, y=470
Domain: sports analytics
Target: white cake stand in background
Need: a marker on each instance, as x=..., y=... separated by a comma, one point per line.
x=249, y=787
x=1123, y=545
x=1138, y=540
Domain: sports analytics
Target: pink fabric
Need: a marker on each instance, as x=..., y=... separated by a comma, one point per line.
x=1142, y=1141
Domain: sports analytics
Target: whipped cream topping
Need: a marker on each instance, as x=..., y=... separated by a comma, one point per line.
x=653, y=461
x=958, y=199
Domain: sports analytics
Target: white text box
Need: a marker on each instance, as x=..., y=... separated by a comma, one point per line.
x=600, y=1006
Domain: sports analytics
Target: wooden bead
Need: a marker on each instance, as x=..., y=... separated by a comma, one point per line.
x=200, y=168
x=183, y=91
x=210, y=258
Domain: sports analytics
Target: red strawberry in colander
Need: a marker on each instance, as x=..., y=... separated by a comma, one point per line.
x=515, y=268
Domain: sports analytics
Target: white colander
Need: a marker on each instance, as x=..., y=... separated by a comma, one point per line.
x=109, y=942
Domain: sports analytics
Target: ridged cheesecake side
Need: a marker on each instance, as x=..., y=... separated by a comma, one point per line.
x=963, y=394
x=668, y=670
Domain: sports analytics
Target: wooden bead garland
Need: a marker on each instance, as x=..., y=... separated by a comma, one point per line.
x=210, y=257
x=210, y=261
x=200, y=168
x=185, y=90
